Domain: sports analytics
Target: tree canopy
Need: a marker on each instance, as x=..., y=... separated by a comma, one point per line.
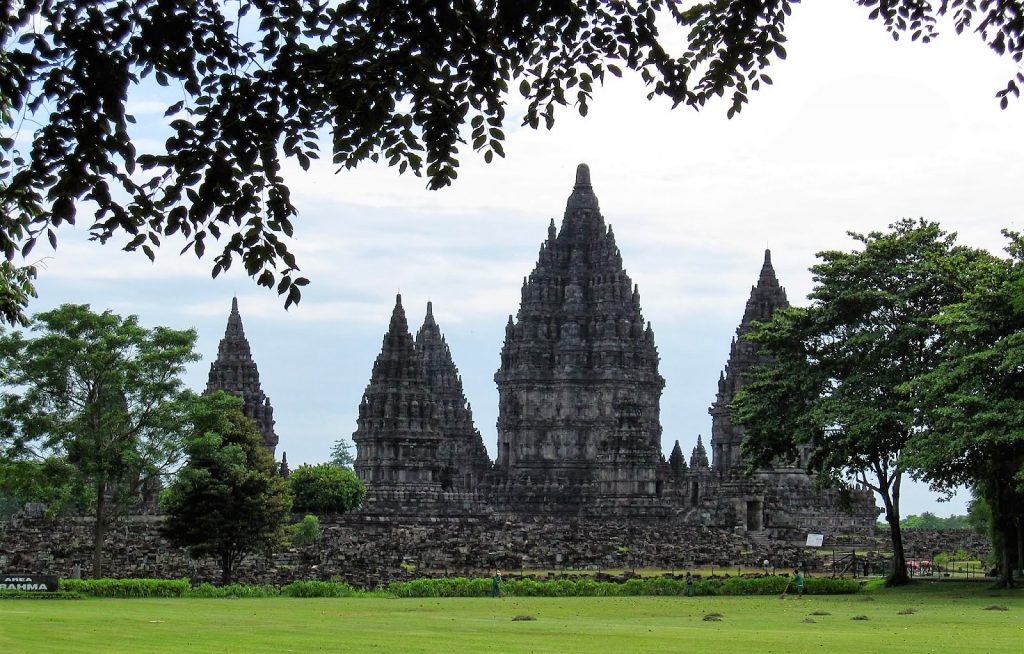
x=973, y=402
x=228, y=501
x=91, y=409
x=326, y=488
x=259, y=81
x=837, y=390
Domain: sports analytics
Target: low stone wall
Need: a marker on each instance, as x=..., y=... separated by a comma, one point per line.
x=370, y=551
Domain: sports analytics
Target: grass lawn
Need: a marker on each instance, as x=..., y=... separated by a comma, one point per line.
x=948, y=617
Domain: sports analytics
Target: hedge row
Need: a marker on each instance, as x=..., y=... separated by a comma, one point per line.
x=463, y=587
x=182, y=588
x=583, y=587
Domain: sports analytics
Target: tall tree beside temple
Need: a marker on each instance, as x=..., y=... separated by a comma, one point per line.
x=234, y=371
x=228, y=501
x=837, y=383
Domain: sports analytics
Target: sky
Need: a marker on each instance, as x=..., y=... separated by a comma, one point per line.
x=857, y=132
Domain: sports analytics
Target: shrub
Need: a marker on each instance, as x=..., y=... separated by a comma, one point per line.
x=305, y=532
x=830, y=586
x=209, y=591
x=127, y=587
x=326, y=488
x=318, y=589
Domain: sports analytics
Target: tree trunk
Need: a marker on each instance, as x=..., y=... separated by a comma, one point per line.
x=99, y=531
x=898, y=576
x=1004, y=530
x=225, y=568
x=1020, y=546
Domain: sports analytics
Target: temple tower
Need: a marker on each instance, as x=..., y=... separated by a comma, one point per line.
x=726, y=438
x=234, y=372
x=578, y=386
x=463, y=457
x=396, y=437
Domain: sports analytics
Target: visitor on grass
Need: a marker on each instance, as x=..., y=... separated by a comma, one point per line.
x=798, y=580
x=496, y=584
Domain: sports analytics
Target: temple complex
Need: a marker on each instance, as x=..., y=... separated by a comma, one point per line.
x=235, y=372
x=578, y=429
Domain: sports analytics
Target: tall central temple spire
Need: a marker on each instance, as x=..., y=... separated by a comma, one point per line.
x=578, y=385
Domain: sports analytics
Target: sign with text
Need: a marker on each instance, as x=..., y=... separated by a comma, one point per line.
x=815, y=540
x=46, y=583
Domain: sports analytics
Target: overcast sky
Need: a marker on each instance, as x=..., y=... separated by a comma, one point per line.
x=857, y=131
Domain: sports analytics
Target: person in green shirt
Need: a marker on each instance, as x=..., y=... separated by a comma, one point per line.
x=496, y=584
x=798, y=580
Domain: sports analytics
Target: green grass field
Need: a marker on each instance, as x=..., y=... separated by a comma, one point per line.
x=947, y=617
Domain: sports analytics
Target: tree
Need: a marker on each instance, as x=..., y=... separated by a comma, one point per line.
x=341, y=454
x=836, y=392
x=95, y=400
x=262, y=80
x=326, y=488
x=974, y=403
x=228, y=500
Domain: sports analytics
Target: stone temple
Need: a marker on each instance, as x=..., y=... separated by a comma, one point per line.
x=579, y=431
x=234, y=372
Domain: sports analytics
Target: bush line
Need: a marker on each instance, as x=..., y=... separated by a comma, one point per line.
x=462, y=587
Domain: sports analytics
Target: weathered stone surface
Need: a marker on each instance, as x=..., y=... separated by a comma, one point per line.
x=368, y=551
x=578, y=386
x=234, y=371
x=463, y=456
x=397, y=438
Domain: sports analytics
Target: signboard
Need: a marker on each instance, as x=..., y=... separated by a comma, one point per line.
x=46, y=583
x=815, y=540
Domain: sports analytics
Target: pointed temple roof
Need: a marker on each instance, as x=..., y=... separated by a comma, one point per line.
x=676, y=460
x=234, y=371
x=699, y=456
x=579, y=298
x=765, y=298
x=462, y=447
x=396, y=436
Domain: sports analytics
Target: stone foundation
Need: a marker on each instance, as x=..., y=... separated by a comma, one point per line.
x=370, y=551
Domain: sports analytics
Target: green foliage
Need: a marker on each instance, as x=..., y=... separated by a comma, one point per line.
x=52, y=481
x=93, y=410
x=228, y=501
x=319, y=589
x=16, y=290
x=974, y=401
x=341, y=454
x=305, y=532
x=326, y=488
x=255, y=82
x=637, y=586
x=928, y=520
x=36, y=595
x=979, y=515
x=124, y=588
x=232, y=591
x=836, y=389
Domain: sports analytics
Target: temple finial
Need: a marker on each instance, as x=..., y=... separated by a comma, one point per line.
x=582, y=196
x=234, y=304
x=767, y=257
x=583, y=176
